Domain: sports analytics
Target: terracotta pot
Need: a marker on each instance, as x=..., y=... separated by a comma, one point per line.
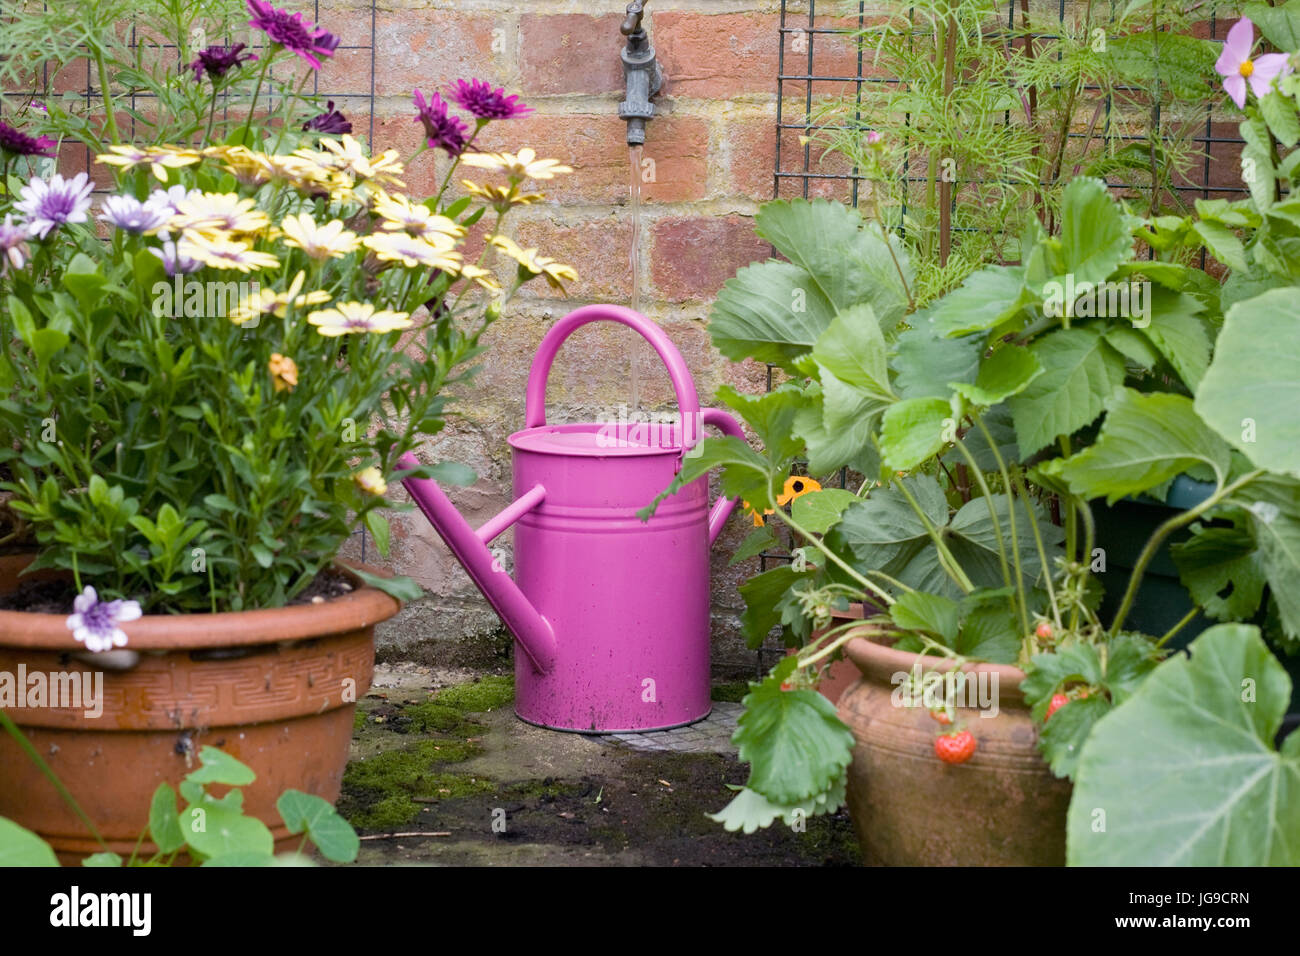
x=1002, y=807
x=275, y=689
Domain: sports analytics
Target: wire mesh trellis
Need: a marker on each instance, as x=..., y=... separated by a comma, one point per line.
x=811, y=63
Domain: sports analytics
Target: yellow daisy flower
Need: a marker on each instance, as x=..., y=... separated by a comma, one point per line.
x=216, y=213
x=269, y=302
x=158, y=158
x=556, y=273
x=331, y=240
x=371, y=481
x=348, y=317
x=402, y=215
x=525, y=165
x=284, y=372
x=222, y=253
x=482, y=276
x=501, y=198
x=412, y=251
x=348, y=154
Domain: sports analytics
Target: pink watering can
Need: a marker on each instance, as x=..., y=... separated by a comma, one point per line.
x=611, y=613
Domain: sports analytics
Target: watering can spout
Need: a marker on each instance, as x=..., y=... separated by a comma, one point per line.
x=533, y=632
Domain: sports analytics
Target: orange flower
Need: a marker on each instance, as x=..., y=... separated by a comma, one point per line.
x=796, y=486
x=284, y=372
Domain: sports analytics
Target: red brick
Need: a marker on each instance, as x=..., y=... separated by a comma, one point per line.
x=716, y=55
x=596, y=148
x=692, y=257
x=599, y=250
x=752, y=158
x=569, y=53
x=427, y=49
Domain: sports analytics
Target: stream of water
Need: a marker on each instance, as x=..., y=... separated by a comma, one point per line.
x=634, y=262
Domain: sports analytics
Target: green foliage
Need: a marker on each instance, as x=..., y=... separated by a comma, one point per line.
x=1186, y=772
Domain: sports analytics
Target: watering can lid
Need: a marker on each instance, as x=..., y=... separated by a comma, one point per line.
x=597, y=440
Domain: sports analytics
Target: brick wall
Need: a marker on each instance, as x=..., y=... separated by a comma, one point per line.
x=710, y=156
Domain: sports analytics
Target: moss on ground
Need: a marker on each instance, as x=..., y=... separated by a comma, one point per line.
x=732, y=691
x=487, y=693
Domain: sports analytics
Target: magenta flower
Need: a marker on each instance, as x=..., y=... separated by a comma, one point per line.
x=95, y=622
x=290, y=31
x=331, y=121
x=441, y=129
x=18, y=143
x=1237, y=68
x=478, y=97
x=217, y=61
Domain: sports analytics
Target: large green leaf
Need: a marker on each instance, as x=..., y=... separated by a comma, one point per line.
x=926, y=364
x=1008, y=371
x=1252, y=389
x=22, y=847
x=1177, y=330
x=850, y=443
x=882, y=532
x=986, y=299
x=762, y=594
x=1095, y=233
x=793, y=741
x=846, y=257
x=934, y=614
x=819, y=511
x=1146, y=439
x=770, y=415
x=1080, y=372
x=1185, y=772
x=749, y=810
x=770, y=311
x=972, y=539
x=1272, y=503
x=1223, y=570
x=852, y=350
x=214, y=830
x=1280, y=25
x=1179, y=63
x=315, y=816
x=914, y=430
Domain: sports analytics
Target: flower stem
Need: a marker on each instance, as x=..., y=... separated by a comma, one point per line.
x=257, y=92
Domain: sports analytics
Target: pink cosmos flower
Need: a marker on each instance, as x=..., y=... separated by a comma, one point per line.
x=1237, y=68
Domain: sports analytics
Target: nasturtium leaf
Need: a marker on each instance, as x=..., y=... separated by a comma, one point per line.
x=914, y=430
x=1252, y=389
x=1185, y=773
x=793, y=740
x=333, y=836
x=819, y=511
x=219, y=767
x=165, y=820
x=934, y=614
x=1146, y=440
x=106, y=859
x=21, y=847
x=214, y=830
x=1008, y=371
x=1080, y=373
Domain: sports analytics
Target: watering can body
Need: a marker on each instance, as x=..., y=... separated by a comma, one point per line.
x=611, y=613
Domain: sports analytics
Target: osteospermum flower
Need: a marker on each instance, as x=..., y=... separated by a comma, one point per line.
x=441, y=129
x=332, y=240
x=221, y=253
x=556, y=273
x=174, y=261
x=17, y=143
x=362, y=317
x=478, y=97
x=131, y=215
x=269, y=302
x=482, y=276
x=331, y=121
x=399, y=214
x=371, y=481
x=1237, y=68
x=350, y=155
x=284, y=372
x=95, y=622
x=13, y=245
x=291, y=31
x=501, y=198
x=158, y=158
x=411, y=251
x=216, y=213
x=217, y=61
x=526, y=165
x=53, y=203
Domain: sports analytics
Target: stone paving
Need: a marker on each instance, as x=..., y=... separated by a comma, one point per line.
x=710, y=735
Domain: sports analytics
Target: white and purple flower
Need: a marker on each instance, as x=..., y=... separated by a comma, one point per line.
x=53, y=203
x=174, y=261
x=95, y=622
x=131, y=215
x=13, y=245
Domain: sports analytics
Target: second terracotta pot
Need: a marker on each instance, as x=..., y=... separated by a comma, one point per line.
x=1003, y=807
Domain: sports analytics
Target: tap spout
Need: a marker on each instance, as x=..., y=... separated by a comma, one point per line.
x=643, y=77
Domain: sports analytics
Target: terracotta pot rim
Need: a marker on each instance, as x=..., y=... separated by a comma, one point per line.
x=878, y=661
x=353, y=611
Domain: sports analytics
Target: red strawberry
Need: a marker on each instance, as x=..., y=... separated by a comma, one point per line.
x=955, y=748
x=1044, y=630
x=1058, y=701
x=941, y=716
x=786, y=685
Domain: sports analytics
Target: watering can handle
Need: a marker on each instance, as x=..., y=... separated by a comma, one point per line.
x=723, y=507
x=688, y=401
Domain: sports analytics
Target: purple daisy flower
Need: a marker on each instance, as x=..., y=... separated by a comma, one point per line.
x=131, y=215
x=18, y=143
x=290, y=31
x=95, y=622
x=217, y=61
x=51, y=204
x=441, y=129
x=478, y=97
x=13, y=245
x=174, y=261
x=331, y=121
